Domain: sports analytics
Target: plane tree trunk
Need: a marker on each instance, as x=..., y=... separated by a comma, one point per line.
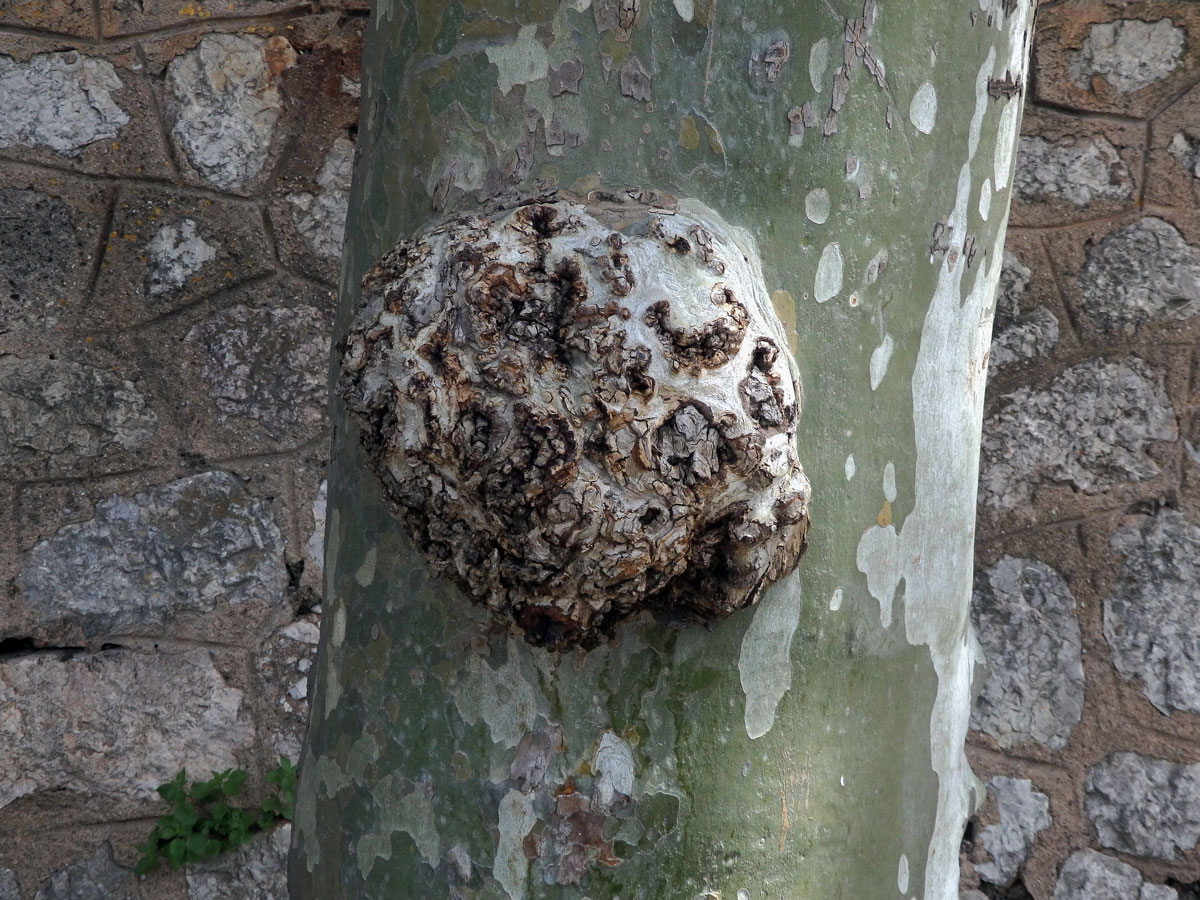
x=809, y=745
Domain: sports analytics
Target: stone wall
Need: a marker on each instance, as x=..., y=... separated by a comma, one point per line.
x=1087, y=586
x=173, y=188
x=173, y=181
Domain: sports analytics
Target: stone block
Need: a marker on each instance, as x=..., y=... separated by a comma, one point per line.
x=198, y=557
x=95, y=877
x=1117, y=58
x=58, y=416
x=1090, y=428
x=1173, y=176
x=254, y=871
x=1151, y=617
x=69, y=17
x=283, y=666
x=1023, y=812
x=1023, y=328
x=1148, y=807
x=1070, y=168
x=1088, y=875
x=1024, y=618
x=104, y=115
x=115, y=724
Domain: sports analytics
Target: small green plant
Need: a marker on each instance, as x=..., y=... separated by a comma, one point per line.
x=202, y=822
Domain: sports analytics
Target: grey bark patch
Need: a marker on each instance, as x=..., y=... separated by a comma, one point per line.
x=62, y=101
x=97, y=877
x=565, y=79
x=189, y=547
x=1077, y=171
x=321, y=217
x=254, y=871
x=38, y=248
x=1023, y=813
x=152, y=714
x=1024, y=616
x=1089, y=875
x=1142, y=272
x=1150, y=807
x=1017, y=335
x=173, y=255
x=1089, y=429
x=224, y=106
x=561, y=441
x=56, y=415
x=1151, y=619
x=266, y=364
x=1129, y=54
x=635, y=80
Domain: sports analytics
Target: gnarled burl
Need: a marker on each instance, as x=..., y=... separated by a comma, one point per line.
x=580, y=411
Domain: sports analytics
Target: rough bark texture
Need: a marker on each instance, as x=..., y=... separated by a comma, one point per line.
x=804, y=746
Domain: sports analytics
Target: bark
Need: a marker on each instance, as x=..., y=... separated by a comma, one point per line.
x=810, y=745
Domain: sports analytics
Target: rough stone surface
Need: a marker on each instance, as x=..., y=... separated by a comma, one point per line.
x=267, y=364
x=116, y=723
x=98, y=877
x=174, y=254
x=1088, y=429
x=1017, y=335
x=10, y=888
x=1078, y=171
x=56, y=414
x=1152, y=617
x=1024, y=617
x=225, y=106
x=315, y=545
x=321, y=217
x=563, y=441
x=1186, y=152
x=254, y=871
x=191, y=546
x=38, y=248
x=1088, y=875
x=283, y=667
x=1138, y=273
x=58, y=100
x=1023, y=813
x=1150, y=807
x=1129, y=54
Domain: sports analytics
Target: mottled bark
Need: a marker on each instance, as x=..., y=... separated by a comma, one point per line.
x=810, y=745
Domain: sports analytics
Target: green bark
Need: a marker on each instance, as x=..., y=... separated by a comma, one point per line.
x=810, y=746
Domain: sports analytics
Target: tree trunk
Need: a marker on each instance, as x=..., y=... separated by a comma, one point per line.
x=810, y=745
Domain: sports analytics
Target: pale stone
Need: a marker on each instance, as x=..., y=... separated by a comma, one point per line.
x=116, y=723
x=321, y=217
x=195, y=545
x=1129, y=54
x=1151, y=618
x=1088, y=429
x=1024, y=617
x=1023, y=813
x=58, y=100
x=173, y=255
x=254, y=871
x=1088, y=875
x=97, y=877
x=1077, y=171
x=1149, y=807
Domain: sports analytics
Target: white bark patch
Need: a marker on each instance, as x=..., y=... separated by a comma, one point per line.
x=502, y=697
x=522, y=61
x=1006, y=143
x=612, y=764
x=889, y=482
x=816, y=205
x=510, y=867
x=880, y=357
x=685, y=8
x=828, y=282
x=818, y=62
x=765, y=662
x=835, y=602
x=937, y=535
x=366, y=572
x=922, y=111
x=985, y=199
x=849, y=466
x=338, y=636
x=902, y=874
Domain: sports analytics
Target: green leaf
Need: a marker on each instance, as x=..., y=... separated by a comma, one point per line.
x=146, y=864
x=176, y=852
x=234, y=781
